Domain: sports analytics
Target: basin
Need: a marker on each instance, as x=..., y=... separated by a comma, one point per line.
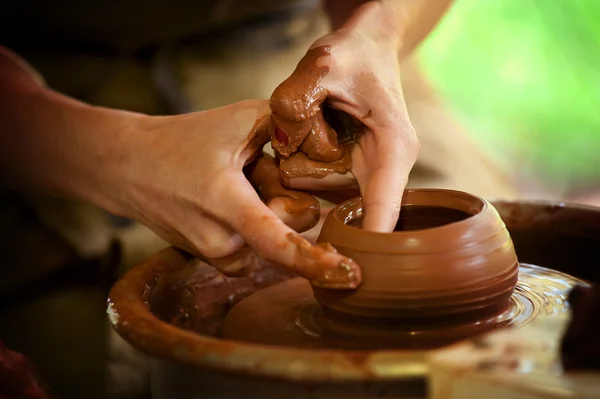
x=172, y=307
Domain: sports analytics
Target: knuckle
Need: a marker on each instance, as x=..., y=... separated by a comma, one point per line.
x=240, y=265
x=215, y=246
x=334, y=61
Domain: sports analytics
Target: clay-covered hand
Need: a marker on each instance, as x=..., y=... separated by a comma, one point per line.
x=354, y=70
x=188, y=181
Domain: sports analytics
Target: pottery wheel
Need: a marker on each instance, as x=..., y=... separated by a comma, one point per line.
x=287, y=314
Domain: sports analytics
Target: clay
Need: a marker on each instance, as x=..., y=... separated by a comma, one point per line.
x=300, y=165
x=303, y=209
x=447, y=272
x=579, y=349
x=418, y=217
x=346, y=275
x=321, y=144
x=183, y=357
x=460, y=272
x=572, y=231
x=296, y=102
x=197, y=298
x=287, y=314
x=303, y=139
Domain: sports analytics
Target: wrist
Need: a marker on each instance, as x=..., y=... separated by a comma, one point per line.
x=107, y=148
x=400, y=24
x=377, y=21
x=55, y=145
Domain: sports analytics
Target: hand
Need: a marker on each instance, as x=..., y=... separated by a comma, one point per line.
x=186, y=182
x=357, y=72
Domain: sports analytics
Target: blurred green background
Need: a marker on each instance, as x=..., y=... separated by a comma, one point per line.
x=523, y=77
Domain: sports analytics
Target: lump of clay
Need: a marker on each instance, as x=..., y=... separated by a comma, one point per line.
x=579, y=347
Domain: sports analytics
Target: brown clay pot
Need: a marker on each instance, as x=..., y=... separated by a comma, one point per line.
x=453, y=261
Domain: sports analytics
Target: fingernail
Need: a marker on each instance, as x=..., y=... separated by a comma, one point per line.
x=346, y=275
x=281, y=136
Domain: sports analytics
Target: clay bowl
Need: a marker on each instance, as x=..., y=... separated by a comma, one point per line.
x=451, y=261
x=171, y=308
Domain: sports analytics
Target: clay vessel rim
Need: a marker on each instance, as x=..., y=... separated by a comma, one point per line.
x=472, y=220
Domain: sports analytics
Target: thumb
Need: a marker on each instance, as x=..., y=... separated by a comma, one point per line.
x=275, y=242
x=297, y=100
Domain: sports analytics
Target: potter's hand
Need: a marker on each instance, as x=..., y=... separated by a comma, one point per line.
x=183, y=176
x=187, y=183
x=354, y=70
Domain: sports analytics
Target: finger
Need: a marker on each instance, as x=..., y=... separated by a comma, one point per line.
x=297, y=100
x=217, y=239
x=312, y=234
x=336, y=197
x=382, y=200
x=214, y=239
x=321, y=144
x=259, y=134
x=383, y=185
x=332, y=182
x=298, y=210
x=296, y=214
x=238, y=264
x=275, y=242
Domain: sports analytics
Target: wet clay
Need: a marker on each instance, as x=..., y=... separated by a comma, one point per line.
x=137, y=299
x=321, y=144
x=303, y=209
x=287, y=314
x=417, y=217
x=441, y=265
x=198, y=298
x=300, y=165
x=303, y=139
x=448, y=272
x=296, y=103
x=309, y=258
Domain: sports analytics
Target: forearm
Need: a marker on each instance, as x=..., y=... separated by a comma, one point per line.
x=405, y=22
x=52, y=144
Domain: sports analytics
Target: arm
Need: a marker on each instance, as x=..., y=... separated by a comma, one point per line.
x=53, y=144
x=410, y=21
